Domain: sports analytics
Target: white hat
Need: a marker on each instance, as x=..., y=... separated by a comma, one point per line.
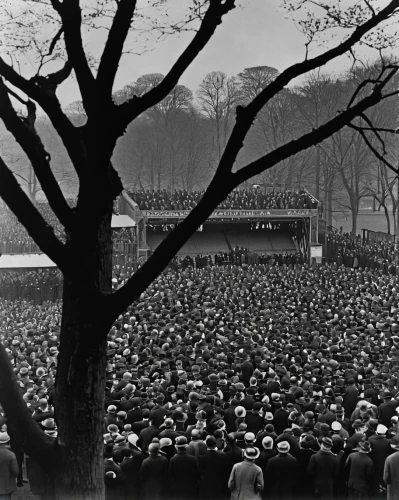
x=251, y=453
x=381, y=429
x=336, y=426
x=267, y=442
x=133, y=438
x=283, y=447
x=4, y=438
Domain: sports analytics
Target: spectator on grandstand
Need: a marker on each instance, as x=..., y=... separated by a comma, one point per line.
x=240, y=199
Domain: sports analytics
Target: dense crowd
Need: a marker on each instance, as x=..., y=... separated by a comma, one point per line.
x=253, y=381
x=240, y=199
x=345, y=249
x=39, y=285
x=14, y=238
x=238, y=257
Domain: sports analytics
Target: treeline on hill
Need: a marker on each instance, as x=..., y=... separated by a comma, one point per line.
x=178, y=143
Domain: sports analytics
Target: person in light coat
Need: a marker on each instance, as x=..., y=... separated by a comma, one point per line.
x=8, y=468
x=391, y=470
x=246, y=478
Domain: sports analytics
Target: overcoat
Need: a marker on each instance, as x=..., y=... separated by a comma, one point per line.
x=214, y=475
x=391, y=476
x=154, y=477
x=184, y=475
x=246, y=481
x=360, y=473
x=8, y=471
x=380, y=450
x=324, y=469
x=281, y=475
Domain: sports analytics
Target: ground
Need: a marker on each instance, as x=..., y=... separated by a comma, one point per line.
x=366, y=220
x=23, y=494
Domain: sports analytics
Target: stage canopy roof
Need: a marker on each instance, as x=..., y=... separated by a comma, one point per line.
x=119, y=221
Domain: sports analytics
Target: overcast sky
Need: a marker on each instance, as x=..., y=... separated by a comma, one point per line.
x=258, y=34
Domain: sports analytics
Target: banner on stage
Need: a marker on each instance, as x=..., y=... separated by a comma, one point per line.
x=231, y=214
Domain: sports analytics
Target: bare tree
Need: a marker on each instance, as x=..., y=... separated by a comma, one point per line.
x=317, y=100
x=254, y=80
x=218, y=96
x=75, y=460
x=277, y=124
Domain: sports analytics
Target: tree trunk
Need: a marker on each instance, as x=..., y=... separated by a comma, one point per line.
x=80, y=381
x=79, y=404
x=329, y=209
x=354, y=211
x=388, y=219
x=317, y=180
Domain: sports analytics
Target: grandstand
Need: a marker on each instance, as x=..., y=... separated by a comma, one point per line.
x=291, y=225
x=264, y=222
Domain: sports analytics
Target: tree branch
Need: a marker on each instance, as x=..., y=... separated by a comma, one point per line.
x=116, y=303
x=312, y=138
x=42, y=90
x=29, y=216
x=71, y=16
x=128, y=111
x=25, y=134
x=54, y=79
x=114, y=46
x=54, y=41
x=31, y=438
x=372, y=148
x=246, y=115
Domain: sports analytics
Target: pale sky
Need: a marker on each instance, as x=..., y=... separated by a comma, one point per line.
x=257, y=34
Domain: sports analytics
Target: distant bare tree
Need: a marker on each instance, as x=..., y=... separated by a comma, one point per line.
x=218, y=96
x=254, y=80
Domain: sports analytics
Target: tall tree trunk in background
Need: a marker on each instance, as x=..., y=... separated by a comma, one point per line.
x=354, y=211
x=387, y=218
x=317, y=179
x=329, y=208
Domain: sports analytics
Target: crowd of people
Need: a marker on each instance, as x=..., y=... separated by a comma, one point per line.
x=240, y=199
x=38, y=285
x=234, y=381
x=14, y=238
x=345, y=249
x=238, y=257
